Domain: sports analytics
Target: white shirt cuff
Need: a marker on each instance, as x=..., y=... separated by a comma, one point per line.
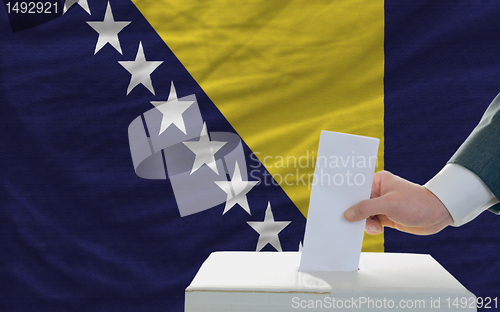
x=462, y=192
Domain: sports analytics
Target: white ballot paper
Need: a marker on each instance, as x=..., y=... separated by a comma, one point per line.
x=343, y=176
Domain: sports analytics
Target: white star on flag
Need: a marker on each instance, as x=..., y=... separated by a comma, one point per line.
x=141, y=70
x=108, y=31
x=236, y=190
x=269, y=230
x=204, y=150
x=69, y=3
x=172, y=111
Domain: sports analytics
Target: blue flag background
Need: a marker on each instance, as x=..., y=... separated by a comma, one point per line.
x=80, y=231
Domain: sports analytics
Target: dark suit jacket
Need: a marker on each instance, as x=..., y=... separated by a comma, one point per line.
x=480, y=153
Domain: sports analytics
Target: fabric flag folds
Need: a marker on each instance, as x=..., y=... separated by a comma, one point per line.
x=139, y=136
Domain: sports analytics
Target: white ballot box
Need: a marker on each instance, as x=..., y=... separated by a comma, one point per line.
x=271, y=282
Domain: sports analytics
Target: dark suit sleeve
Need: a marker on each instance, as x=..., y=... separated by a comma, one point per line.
x=480, y=153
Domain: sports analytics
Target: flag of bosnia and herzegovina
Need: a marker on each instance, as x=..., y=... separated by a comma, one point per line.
x=282, y=71
x=86, y=226
x=416, y=74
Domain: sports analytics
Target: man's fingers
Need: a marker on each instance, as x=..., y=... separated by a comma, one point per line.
x=384, y=221
x=367, y=208
x=380, y=179
x=373, y=226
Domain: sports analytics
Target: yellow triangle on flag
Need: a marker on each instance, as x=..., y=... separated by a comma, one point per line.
x=282, y=71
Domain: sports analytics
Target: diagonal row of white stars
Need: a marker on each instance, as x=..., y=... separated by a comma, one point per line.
x=172, y=110
x=140, y=69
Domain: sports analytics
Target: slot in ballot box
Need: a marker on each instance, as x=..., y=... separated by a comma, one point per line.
x=271, y=282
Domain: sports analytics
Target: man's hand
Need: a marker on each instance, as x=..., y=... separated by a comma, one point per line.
x=400, y=204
